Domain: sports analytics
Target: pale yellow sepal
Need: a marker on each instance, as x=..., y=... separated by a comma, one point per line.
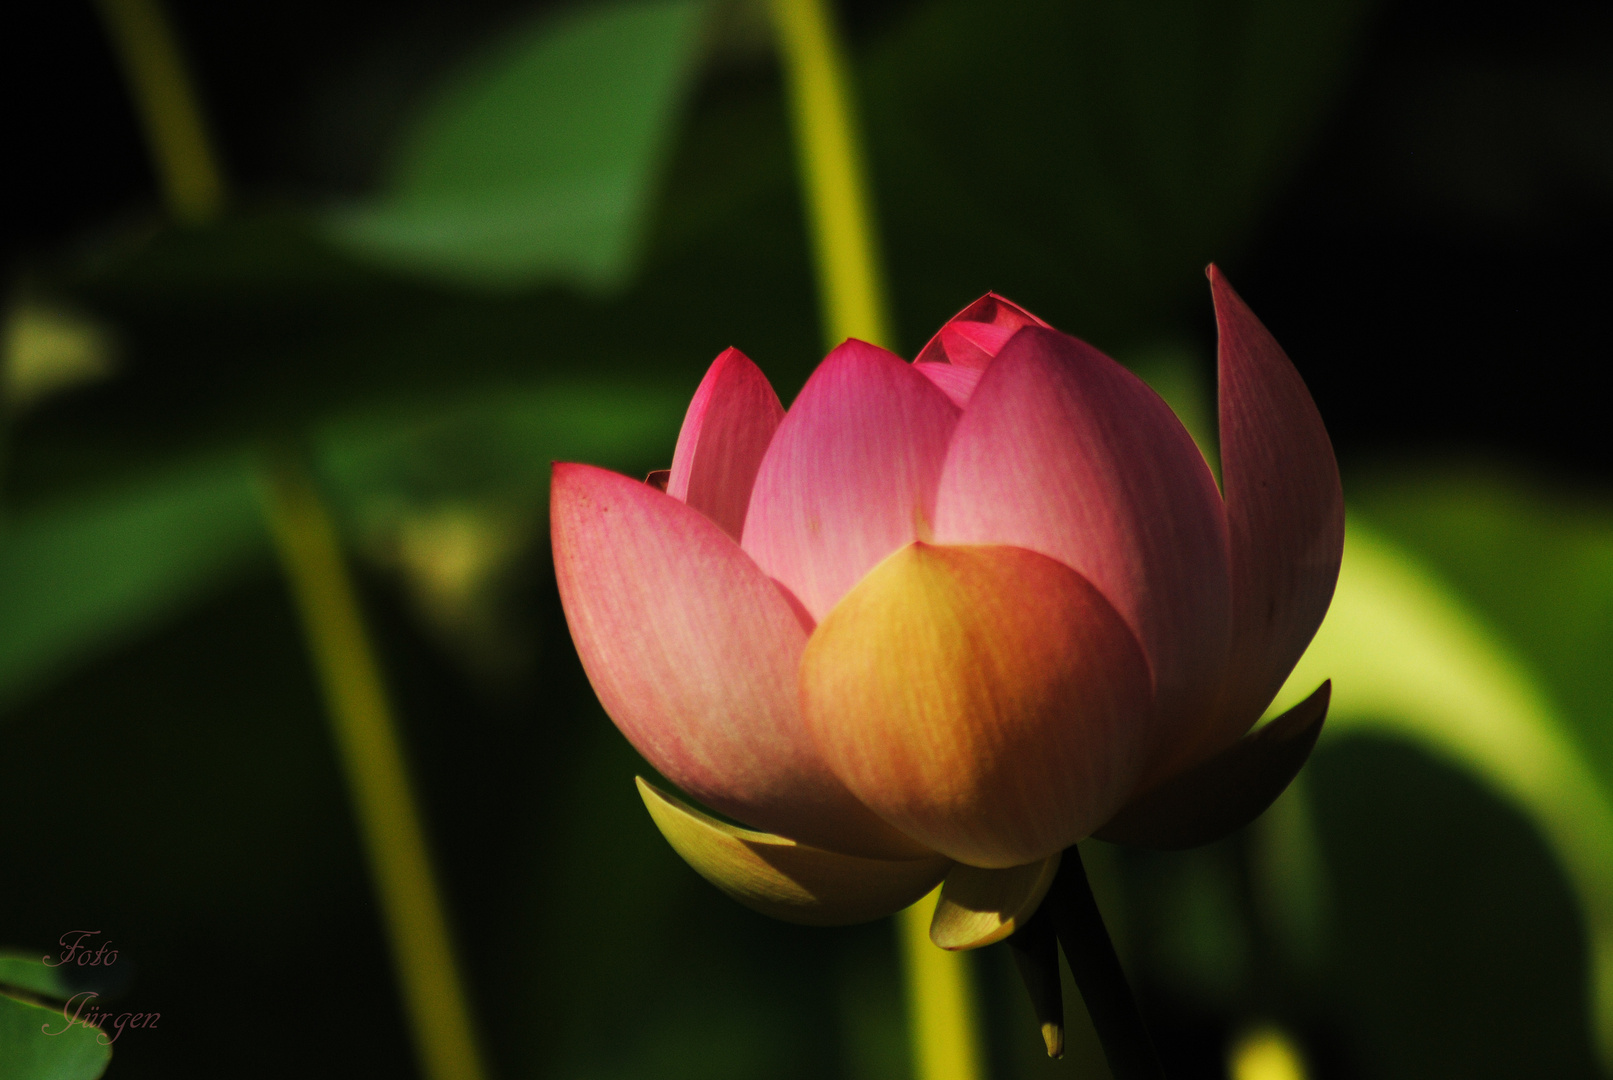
x=787, y=880
x=979, y=907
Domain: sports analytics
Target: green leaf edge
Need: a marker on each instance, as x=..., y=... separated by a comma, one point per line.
x=1411, y=661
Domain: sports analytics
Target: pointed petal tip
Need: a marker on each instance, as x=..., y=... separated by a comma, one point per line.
x=729, y=423
x=785, y=879
x=1284, y=509
x=851, y=474
x=1053, y=1039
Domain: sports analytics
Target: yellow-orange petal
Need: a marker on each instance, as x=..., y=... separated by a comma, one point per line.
x=981, y=907
x=791, y=881
x=986, y=700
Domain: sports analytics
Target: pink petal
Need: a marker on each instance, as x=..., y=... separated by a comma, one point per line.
x=956, y=382
x=850, y=476
x=1285, y=510
x=977, y=333
x=693, y=653
x=725, y=433
x=1065, y=452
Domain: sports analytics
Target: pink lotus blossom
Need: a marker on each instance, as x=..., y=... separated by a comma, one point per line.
x=956, y=614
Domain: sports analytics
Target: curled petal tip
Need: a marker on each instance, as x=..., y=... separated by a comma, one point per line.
x=791, y=881
x=981, y=907
x=975, y=335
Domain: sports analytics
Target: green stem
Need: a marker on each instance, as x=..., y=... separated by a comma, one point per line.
x=1097, y=971
x=367, y=743
x=941, y=1010
x=832, y=178
x=193, y=185
x=942, y=1027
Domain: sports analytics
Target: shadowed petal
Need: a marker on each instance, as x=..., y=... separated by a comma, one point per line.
x=1065, y=452
x=1285, y=510
x=977, y=333
x=725, y=433
x=956, y=382
x=986, y=701
x=981, y=907
x=693, y=653
x=1227, y=792
x=790, y=881
x=850, y=476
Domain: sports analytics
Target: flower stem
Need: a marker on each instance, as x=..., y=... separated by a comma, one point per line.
x=940, y=1002
x=367, y=742
x=193, y=186
x=1097, y=971
x=828, y=147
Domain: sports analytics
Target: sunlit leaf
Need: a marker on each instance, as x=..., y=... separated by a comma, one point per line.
x=536, y=164
x=1532, y=554
x=1411, y=661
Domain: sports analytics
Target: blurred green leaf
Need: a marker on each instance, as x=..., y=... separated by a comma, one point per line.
x=80, y=574
x=36, y=1043
x=537, y=163
x=495, y=447
x=24, y=971
x=1410, y=660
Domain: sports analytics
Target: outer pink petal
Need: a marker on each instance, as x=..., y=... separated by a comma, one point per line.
x=693, y=653
x=850, y=476
x=1065, y=452
x=1285, y=510
x=725, y=433
x=977, y=333
x=956, y=382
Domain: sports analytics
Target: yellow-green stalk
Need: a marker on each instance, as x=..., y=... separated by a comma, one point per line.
x=176, y=135
x=377, y=778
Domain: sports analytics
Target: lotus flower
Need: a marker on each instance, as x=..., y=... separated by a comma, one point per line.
x=944, y=619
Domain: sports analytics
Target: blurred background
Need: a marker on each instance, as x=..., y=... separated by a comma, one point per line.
x=459, y=241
